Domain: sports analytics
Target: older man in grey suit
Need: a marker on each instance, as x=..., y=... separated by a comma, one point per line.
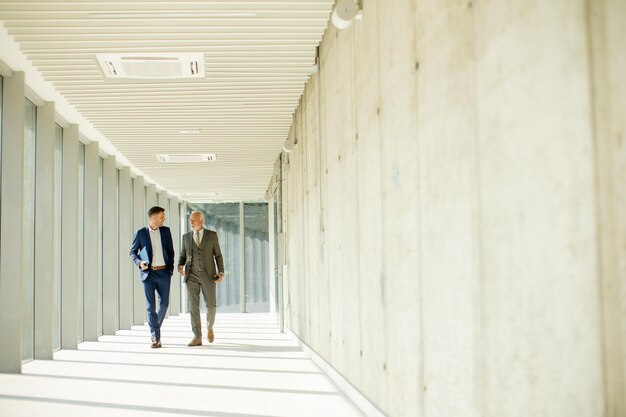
x=198, y=256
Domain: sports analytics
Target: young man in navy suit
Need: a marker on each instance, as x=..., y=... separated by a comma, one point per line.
x=154, y=244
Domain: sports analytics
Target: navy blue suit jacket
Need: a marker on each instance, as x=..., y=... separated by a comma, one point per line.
x=142, y=240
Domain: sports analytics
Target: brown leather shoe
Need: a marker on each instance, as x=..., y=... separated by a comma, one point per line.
x=155, y=343
x=196, y=341
x=211, y=336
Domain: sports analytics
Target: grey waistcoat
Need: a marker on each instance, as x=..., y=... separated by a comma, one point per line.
x=197, y=264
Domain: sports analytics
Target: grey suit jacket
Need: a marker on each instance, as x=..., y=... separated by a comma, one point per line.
x=211, y=253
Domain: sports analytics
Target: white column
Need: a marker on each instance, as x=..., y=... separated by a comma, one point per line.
x=151, y=198
x=11, y=242
x=139, y=220
x=162, y=201
x=45, y=238
x=69, y=240
x=109, y=247
x=92, y=206
x=127, y=275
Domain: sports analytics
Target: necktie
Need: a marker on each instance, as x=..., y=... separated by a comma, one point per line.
x=197, y=238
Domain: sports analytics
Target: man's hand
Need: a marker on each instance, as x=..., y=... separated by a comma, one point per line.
x=220, y=276
x=143, y=265
x=181, y=270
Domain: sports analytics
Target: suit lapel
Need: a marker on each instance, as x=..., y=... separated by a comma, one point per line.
x=163, y=245
x=205, y=238
x=148, y=242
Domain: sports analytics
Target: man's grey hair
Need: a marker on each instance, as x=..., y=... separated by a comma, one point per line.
x=197, y=213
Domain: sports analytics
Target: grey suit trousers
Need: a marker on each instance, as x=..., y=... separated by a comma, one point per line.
x=195, y=284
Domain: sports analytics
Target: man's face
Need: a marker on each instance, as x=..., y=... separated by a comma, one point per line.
x=196, y=222
x=158, y=219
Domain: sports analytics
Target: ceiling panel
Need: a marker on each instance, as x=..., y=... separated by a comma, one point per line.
x=258, y=55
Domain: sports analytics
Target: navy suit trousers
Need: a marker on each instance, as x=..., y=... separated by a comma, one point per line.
x=158, y=281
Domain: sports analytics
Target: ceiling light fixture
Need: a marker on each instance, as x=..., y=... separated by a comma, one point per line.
x=344, y=12
x=168, y=15
x=186, y=158
x=152, y=66
x=189, y=131
x=289, y=145
x=201, y=194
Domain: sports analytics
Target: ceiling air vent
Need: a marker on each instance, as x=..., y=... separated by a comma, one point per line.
x=152, y=66
x=186, y=158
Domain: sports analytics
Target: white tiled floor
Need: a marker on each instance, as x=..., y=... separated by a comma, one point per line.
x=251, y=370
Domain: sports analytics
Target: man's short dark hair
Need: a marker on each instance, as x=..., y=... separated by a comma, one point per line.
x=155, y=210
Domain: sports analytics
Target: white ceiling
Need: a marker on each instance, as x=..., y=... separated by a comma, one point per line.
x=258, y=55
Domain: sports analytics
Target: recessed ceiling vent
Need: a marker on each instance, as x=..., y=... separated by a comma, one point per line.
x=152, y=66
x=186, y=158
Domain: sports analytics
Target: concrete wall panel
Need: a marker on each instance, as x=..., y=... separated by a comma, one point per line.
x=537, y=214
x=449, y=232
x=401, y=207
x=370, y=217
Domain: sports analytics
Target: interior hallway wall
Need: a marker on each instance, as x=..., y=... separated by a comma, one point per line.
x=448, y=244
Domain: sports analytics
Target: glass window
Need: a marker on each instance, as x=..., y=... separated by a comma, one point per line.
x=81, y=240
x=132, y=228
x=277, y=266
x=58, y=184
x=1, y=82
x=100, y=246
x=28, y=260
x=256, y=255
x=117, y=247
x=184, y=228
x=223, y=218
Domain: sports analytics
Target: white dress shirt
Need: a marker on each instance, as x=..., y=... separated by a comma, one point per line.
x=157, y=248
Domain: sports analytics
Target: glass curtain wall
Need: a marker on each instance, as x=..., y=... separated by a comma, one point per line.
x=100, y=247
x=81, y=240
x=1, y=83
x=28, y=260
x=224, y=219
x=132, y=228
x=117, y=243
x=277, y=266
x=184, y=228
x=256, y=256
x=58, y=184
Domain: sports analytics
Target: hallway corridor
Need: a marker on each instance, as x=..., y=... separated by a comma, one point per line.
x=407, y=208
x=251, y=370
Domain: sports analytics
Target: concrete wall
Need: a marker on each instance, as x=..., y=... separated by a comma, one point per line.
x=448, y=245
